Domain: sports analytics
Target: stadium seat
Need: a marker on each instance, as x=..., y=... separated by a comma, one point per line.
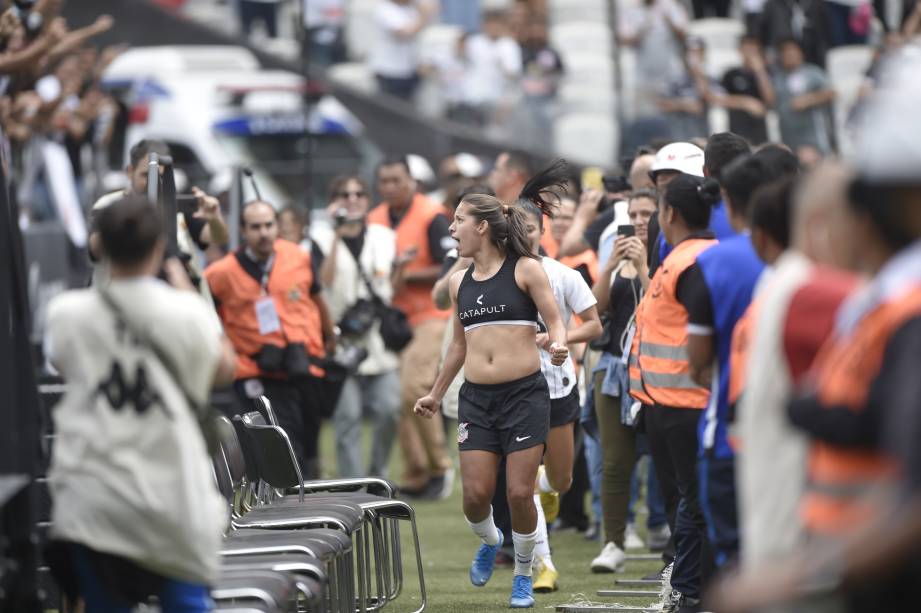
x=588, y=68
x=717, y=32
x=586, y=96
x=588, y=138
x=356, y=75
x=564, y=11
x=845, y=63
x=720, y=60
x=582, y=37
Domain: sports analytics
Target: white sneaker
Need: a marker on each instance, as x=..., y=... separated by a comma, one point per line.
x=632, y=540
x=612, y=559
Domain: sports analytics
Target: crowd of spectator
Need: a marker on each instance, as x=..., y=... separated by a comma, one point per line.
x=54, y=116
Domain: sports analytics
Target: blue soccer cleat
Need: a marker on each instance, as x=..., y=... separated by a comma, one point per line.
x=483, y=562
x=522, y=594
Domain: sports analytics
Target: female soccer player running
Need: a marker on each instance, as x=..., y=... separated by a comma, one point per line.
x=504, y=404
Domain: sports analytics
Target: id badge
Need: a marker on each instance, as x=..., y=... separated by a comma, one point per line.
x=267, y=316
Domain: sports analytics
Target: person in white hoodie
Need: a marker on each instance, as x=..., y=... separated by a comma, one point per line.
x=135, y=509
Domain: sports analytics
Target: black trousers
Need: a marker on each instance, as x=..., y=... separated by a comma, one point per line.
x=672, y=435
x=296, y=408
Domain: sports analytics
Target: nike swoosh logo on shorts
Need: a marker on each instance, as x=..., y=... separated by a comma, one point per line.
x=518, y=439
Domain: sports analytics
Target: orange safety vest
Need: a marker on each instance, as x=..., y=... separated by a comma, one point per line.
x=659, y=367
x=289, y=286
x=588, y=257
x=414, y=299
x=740, y=348
x=836, y=501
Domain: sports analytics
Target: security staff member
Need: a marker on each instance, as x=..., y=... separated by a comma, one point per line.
x=659, y=372
x=269, y=303
x=423, y=239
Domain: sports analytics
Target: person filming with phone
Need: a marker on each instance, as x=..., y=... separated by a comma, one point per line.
x=619, y=288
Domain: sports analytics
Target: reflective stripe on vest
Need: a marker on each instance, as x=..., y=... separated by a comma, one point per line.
x=838, y=494
x=659, y=368
x=414, y=299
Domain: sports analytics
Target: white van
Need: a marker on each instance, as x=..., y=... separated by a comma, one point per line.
x=217, y=109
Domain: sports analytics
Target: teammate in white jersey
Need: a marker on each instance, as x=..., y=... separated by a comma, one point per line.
x=573, y=296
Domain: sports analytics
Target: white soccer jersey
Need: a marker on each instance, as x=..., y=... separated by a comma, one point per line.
x=573, y=295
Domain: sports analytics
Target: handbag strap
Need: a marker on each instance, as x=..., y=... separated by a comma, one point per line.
x=145, y=339
x=364, y=277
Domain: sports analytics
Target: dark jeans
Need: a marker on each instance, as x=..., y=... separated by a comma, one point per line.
x=672, y=434
x=839, y=17
x=399, y=87
x=572, y=503
x=95, y=574
x=718, y=502
x=295, y=408
x=711, y=8
x=655, y=503
x=266, y=12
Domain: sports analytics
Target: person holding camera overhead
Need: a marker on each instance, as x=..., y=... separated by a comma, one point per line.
x=355, y=272
x=266, y=296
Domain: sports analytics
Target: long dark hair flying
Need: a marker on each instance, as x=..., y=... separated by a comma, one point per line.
x=508, y=223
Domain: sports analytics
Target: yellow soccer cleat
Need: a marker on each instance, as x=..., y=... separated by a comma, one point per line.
x=545, y=578
x=549, y=501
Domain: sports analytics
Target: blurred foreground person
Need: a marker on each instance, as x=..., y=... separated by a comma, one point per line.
x=863, y=499
x=136, y=512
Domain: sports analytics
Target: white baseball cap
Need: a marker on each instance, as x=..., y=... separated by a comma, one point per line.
x=683, y=157
x=888, y=139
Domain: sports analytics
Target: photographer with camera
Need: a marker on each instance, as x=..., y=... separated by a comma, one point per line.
x=265, y=296
x=355, y=273
x=199, y=222
x=135, y=508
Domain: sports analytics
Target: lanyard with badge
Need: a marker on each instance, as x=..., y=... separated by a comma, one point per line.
x=266, y=313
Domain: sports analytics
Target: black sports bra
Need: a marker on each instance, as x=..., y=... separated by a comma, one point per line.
x=495, y=301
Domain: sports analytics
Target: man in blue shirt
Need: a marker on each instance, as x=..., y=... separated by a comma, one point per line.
x=724, y=279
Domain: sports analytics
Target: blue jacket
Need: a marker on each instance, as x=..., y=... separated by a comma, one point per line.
x=730, y=270
x=719, y=225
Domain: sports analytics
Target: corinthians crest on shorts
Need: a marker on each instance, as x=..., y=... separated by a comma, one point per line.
x=462, y=433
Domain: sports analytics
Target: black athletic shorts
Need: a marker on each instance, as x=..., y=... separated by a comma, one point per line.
x=565, y=410
x=504, y=417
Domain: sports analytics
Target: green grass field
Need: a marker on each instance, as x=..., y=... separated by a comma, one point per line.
x=448, y=547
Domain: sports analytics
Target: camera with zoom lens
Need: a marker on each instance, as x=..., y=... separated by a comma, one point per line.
x=342, y=217
x=612, y=185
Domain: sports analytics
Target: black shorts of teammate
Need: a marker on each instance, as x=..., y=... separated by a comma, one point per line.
x=565, y=410
x=504, y=417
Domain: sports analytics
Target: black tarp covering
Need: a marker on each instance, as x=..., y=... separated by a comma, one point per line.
x=20, y=415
